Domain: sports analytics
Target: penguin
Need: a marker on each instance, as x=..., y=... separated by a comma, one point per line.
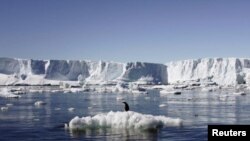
x=126, y=108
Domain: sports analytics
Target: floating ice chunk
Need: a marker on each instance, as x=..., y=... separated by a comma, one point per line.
x=162, y=105
x=239, y=93
x=170, y=92
x=138, y=92
x=207, y=89
x=210, y=89
x=66, y=126
x=57, y=109
x=123, y=120
x=40, y=103
x=224, y=97
x=71, y=109
x=4, y=109
x=119, y=98
x=6, y=94
x=9, y=104
x=36, y=119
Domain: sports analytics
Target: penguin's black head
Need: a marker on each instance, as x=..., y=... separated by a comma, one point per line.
x=126, y=108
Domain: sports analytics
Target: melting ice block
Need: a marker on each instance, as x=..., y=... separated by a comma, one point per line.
x=123, y=120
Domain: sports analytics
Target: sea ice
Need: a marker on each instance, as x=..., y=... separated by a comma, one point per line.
x=6, y=94
x=123, y=120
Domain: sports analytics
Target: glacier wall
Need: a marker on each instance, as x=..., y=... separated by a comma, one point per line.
x=37, y=72
x=66, y=70
x=9, y=66
x=223, y=71
x=139, y=70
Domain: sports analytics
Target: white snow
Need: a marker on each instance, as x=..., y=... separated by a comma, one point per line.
x=123, y=120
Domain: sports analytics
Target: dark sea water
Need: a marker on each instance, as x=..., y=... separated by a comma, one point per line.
x=27, y=122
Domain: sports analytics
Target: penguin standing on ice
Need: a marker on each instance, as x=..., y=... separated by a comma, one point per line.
x=126, y=108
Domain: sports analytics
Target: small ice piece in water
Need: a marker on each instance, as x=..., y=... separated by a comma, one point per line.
x=6, y=94
x=223, y=97
x=119, y=98
x=162, y=105
x=57, y=109
x=239, y=93
x=39, y=103
x=90, y=107
x=36, y=119
x=147, y=98
x=4, y=109
x=9, y=104
x=170, y=92
x=71, y=109
x=66, y=126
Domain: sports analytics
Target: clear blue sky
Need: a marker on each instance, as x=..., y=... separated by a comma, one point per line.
x=124, y=30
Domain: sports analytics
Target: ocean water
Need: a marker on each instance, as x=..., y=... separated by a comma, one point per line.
x=25, y=121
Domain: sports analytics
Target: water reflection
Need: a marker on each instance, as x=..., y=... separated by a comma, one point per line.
x=115, y=134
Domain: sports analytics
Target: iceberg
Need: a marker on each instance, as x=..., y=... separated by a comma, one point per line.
x=223, y=71
x=43, y=72
x=123, y=120
x=206, y=71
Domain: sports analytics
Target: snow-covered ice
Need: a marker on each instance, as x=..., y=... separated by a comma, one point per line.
x=123, y=120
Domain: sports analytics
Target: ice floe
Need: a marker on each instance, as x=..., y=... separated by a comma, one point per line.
x=123, y=120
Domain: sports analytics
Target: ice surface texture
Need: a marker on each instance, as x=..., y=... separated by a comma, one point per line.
x=123, y=120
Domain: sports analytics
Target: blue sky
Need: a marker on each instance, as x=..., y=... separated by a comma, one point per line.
x=124, y=30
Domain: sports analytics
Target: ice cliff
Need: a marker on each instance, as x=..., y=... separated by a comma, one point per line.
x=40, y=72
x=223, y=71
